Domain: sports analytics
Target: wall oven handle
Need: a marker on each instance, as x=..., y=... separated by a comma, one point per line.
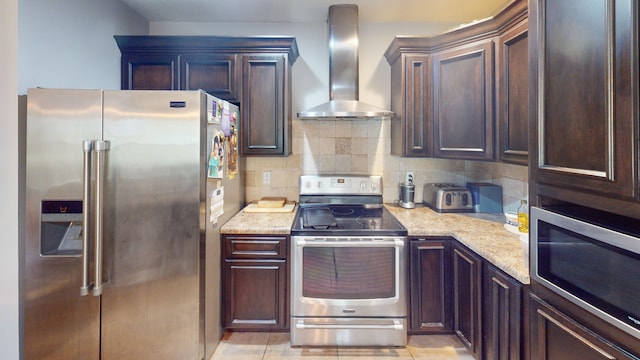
x=87, y=147
x=100, y=147
x=396, y=325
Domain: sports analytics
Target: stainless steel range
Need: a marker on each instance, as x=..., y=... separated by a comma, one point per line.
x=348, y=279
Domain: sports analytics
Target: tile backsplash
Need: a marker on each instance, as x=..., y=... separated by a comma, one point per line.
x=362, y=147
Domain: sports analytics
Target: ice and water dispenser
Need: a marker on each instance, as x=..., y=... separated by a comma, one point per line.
x=61, y=228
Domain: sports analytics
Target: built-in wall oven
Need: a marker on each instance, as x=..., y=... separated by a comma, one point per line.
x=348, y=272
x=591, y=259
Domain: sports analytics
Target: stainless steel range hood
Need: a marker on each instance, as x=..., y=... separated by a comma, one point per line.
x=343, y=70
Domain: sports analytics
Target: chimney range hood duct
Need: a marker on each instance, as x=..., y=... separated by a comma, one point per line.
x=343, y=70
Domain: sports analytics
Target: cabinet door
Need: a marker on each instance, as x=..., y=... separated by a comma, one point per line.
x=411, y=103
x=254, y=294
x=586, y=107
x=149, y=72
x=467, y=268
x=502, y=320
x=555, y=336
x=213, y=73
x=263, y=105
x=430, y=287
x=463, y=123
x=512, y=91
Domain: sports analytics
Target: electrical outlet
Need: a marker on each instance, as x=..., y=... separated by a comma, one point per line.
x=409, y=177
x=266, y=177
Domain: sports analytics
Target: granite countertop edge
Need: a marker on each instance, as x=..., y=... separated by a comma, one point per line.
x=276, y=223
x=487, y=238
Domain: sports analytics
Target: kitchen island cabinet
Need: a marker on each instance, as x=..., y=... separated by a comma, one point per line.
x=254, y=282
x=252, y=71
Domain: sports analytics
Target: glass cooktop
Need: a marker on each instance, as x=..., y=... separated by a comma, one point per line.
x=356, y=220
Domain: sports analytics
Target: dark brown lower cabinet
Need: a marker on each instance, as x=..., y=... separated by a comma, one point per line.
x=502, y=317
x=430, y=286
x=254, y=283
x=556, y=336
x=467, y=298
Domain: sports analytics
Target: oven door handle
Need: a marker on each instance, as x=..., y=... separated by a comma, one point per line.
x=396, y=325
x=399, y=242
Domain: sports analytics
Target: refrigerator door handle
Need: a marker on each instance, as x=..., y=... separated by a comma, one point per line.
x=87, y=148
x=100, y=147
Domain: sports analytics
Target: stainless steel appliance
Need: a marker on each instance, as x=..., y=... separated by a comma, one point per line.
x=445, y=197
x=348, y=282
x=590, y=258
x=407, y=193
x=118, y=242
x=344, y=102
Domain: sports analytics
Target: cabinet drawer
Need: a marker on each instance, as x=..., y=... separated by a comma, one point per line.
x=255, y=247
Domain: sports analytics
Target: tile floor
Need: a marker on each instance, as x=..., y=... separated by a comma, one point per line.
x=271, y=346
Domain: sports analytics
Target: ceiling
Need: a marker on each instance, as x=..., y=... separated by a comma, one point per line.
x=459, y=11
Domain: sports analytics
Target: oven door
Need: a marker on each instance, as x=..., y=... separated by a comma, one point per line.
x=348, y=276
x=595, y=267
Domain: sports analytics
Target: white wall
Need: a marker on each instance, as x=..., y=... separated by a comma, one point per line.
x=69, y=43
x=9, y=304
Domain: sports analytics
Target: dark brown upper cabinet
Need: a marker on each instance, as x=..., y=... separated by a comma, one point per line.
x=150, y=71
x=445, y=90
x=264, y=88
x=216, y=74
x=463, y=123
x=584, y=110
x=252, y=71
x=512, y=94
x=411, y=104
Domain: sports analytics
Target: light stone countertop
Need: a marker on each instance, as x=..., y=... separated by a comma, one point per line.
x=488, y=239
x=260, y=223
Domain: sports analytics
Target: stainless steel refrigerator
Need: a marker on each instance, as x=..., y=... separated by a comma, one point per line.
x=121, y=248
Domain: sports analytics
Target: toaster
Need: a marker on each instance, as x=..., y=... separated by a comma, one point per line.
x=443, y=197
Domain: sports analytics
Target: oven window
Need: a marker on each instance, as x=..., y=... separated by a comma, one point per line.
x=349, y=272
x=602, y=275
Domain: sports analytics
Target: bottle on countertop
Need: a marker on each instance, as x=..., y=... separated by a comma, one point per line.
x=523, y=216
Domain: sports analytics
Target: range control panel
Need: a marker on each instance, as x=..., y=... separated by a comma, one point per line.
x=340, y=185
